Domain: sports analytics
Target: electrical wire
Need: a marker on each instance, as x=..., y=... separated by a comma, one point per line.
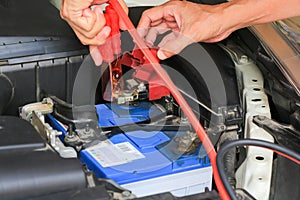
x=176, y=94
x=281, y=150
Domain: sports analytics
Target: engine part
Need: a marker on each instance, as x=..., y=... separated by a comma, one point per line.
x=95, y=193
x=286, y=170
x=51, y=136
x=214, y=82
x=284, y=134
x=79, y=116
x=230, y=160
x=255, y=180
x=7, y=92
x=279, y=149
x=43, y=107
x=187, y=143
x=18, y=134
x=26, y=174
x=29, y=43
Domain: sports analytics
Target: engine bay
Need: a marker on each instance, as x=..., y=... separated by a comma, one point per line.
x=74, y=130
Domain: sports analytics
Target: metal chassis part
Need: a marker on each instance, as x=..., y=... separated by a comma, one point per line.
x=35, y=114
x=51, y=136
x=254, y=174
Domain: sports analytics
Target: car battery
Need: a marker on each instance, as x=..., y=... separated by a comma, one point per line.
x=144, y=161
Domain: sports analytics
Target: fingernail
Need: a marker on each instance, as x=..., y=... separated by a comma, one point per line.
x=98, y=60
x=98, y=8
x=96, y=56
x=161, y=55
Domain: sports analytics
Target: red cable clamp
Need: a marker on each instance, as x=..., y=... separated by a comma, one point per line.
x=112, y=46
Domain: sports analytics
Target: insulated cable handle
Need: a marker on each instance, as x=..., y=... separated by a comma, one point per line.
x=112, y=46
x=176, y=94
x=115, y=29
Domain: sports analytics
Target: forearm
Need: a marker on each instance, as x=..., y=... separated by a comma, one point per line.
x=210, y=23
x=242, y=13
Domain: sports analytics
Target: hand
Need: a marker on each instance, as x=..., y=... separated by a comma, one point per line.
x=189, y=23
x=87, y=23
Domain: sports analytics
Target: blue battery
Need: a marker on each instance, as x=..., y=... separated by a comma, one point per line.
x=113, y=114
x=138, y=155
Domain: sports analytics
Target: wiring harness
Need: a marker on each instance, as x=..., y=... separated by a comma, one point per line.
x=281, y=150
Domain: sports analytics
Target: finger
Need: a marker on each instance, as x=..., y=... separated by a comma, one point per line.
x=99, y=39
x=149, y=17
x=99, y=2
x=85, y=21
x=103, y=34
x=62, y=8
x=90, y=23
x=106, y=51
x=96, y=26
x=173, y=25
x=142, y=32
x=173, y=47
x=168, y=38
x=95, y=54
x=154, y=32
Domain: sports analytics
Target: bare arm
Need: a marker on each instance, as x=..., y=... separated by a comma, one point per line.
x=209, y=23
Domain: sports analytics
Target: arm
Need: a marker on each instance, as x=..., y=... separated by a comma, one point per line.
x=208, y=23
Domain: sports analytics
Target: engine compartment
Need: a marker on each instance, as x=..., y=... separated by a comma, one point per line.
x=75, y=106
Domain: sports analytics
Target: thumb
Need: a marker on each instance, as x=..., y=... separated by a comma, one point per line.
x=96, y=55
x=171, y=46
x=99, y=13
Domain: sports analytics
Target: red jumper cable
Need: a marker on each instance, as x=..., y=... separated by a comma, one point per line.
x=113, y=45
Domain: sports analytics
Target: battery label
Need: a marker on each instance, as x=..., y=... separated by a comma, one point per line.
x=130, y=151
x=108, y=154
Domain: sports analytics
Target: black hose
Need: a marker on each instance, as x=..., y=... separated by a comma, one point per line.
x=248, y=142
x=230, y=157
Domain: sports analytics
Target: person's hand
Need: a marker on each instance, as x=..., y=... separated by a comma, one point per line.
x=87, y=20
x=88, y=24
x=189, y=23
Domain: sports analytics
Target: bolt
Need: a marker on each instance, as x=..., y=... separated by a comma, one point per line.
x=126, y=193
x=244, y=59
x=261, y=118
x=87, y=128
x=222, y=127
x=71, y=133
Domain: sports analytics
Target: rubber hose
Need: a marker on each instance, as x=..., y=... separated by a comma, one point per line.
x=229, y=157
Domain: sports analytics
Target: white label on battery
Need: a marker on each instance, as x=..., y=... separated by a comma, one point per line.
x=130, y=152
x=108, y=154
